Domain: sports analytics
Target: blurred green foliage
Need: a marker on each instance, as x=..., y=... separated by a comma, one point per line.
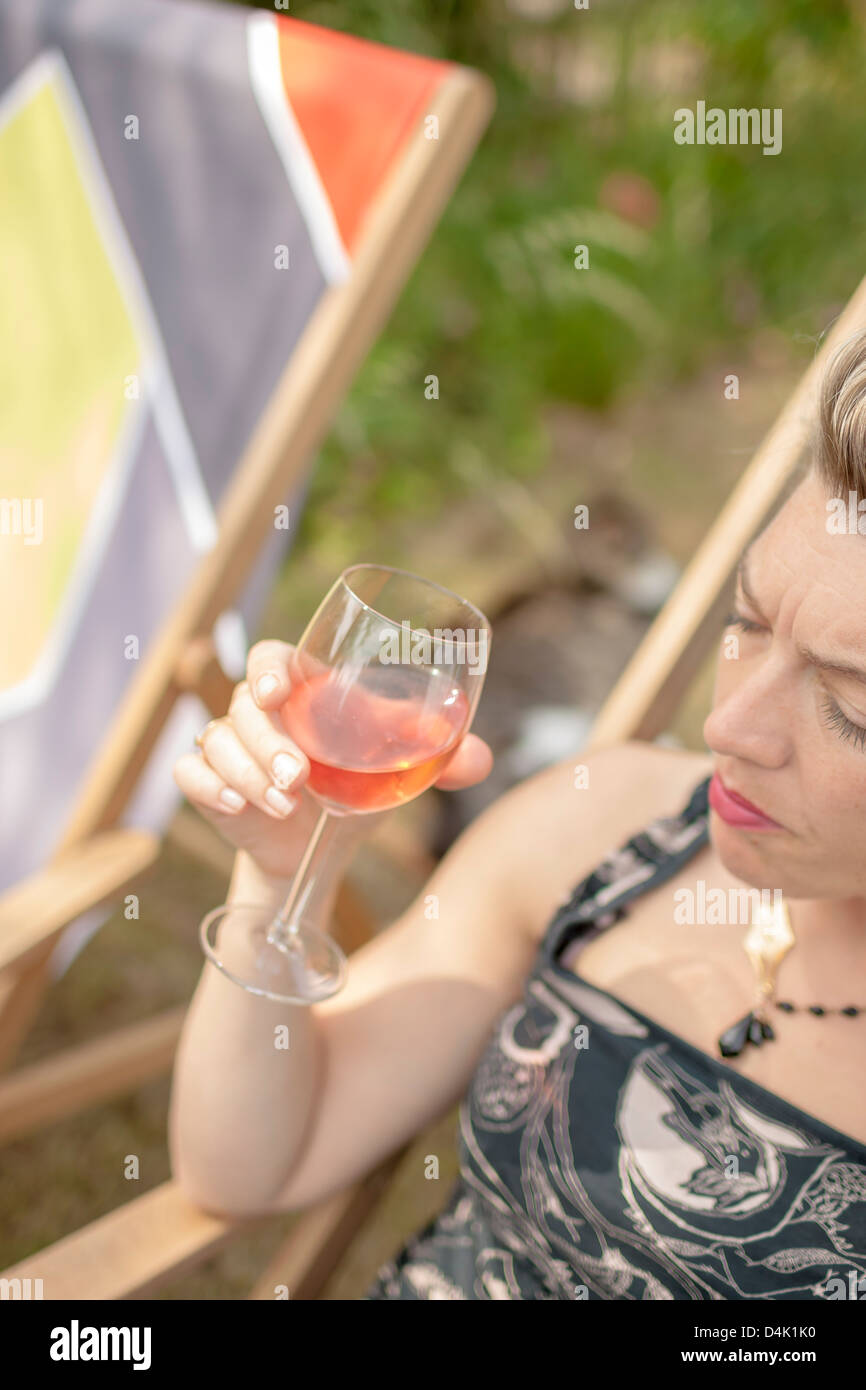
x=691, y=247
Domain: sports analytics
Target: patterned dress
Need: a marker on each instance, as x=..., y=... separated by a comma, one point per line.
x=602, y=1156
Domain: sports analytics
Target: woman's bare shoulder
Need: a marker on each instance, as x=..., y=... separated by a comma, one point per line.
x=559, y=824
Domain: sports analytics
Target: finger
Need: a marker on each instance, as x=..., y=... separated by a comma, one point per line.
x=205, y=788
x=223, y=751
x=262, y=734
x=470, y=763
x=268, y=673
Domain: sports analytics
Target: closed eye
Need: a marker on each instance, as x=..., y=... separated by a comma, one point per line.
x=744, y=624
x=847, y=730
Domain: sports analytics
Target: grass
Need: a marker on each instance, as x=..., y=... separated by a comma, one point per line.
x=693, y=249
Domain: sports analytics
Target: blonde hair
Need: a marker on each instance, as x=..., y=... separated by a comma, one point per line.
x=839, y=450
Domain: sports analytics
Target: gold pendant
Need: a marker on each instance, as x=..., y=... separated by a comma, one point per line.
x=767, y=942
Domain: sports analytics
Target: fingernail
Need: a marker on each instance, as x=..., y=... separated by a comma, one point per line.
x=232, y=799
x=265, y=686
x=278, y=802
x=286, y=769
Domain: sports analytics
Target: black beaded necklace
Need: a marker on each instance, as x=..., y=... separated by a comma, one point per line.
x=767, y=942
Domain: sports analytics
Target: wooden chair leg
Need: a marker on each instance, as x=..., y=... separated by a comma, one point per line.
x=21, y=994
x=314, y=1246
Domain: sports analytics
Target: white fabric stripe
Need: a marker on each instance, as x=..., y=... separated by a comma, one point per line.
x=266, y=79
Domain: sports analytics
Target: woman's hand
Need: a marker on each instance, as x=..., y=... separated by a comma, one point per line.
x=249, y=779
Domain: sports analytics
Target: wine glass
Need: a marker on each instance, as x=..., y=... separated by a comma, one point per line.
x=384, y=684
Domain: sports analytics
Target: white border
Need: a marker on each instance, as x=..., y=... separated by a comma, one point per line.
x=266, y=79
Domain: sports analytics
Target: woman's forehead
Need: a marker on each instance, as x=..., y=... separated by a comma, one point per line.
x=815, y=542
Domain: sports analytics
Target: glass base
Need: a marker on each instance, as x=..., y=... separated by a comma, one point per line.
x=309, y=967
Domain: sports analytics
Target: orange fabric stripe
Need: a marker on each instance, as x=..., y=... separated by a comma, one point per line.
x=356, y=103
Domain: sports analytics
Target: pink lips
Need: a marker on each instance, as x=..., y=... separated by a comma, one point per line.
x=736, y=810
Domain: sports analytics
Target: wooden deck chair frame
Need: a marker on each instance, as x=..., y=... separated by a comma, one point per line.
x=97, y=858
x=157, y=1237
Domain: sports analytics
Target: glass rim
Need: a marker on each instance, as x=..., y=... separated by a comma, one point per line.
x=409, y=574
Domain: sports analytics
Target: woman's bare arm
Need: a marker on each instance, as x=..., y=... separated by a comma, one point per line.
x=257, y=1129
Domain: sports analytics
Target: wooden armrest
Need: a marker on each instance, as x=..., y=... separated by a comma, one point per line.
x=132, y=1249
x=138, y=1247
x=84, y=876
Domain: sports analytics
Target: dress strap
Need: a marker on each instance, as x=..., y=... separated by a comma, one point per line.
x=647, y=859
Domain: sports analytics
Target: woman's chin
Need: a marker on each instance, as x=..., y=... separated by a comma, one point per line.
x=754, y=861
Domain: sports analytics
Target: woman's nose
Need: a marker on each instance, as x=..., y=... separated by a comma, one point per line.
x=750, y=718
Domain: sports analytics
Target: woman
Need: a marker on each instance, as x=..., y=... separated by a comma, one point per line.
x=607, y=1148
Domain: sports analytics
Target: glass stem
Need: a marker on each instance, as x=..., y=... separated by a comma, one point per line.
x=307, y=882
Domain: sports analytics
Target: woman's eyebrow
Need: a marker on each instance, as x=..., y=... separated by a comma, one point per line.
x=743, y=579
x=839, y=667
